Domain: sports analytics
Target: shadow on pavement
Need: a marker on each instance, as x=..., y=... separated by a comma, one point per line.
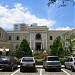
x=8, y=70
x=53, y=70
x=30, y=71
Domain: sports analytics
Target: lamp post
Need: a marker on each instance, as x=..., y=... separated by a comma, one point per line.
x=4, y=51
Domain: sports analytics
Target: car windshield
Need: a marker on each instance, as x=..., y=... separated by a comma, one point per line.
x=4, y=58
x=53, y=59
x=27, y=59
x=74, y=59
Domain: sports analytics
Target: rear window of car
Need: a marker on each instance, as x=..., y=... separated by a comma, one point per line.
x=4, y=58
x=28, y=59
x=53, y=59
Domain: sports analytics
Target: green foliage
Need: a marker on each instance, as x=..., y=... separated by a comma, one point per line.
x=57, y=48
x=48, y=52
x=63, y=2
x=38, y=55
x=23, y=50
x=73, y=43
x=63, y=59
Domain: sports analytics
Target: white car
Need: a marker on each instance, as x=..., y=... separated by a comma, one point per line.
x=52, y=62
x=27, y=63
x=70, y=63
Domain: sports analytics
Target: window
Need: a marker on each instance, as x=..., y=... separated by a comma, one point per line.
x=50, y=37
x=9, y=37
x=16, y=25
x=38, y=36
x=17, y=45
x=53, y=59
x=17, y=38
x=27, y=59
x=16, y=28
x=0, y=33
x=50, y=47
x=71, y=59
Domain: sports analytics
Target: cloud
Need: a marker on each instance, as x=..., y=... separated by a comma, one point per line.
x=20, y=14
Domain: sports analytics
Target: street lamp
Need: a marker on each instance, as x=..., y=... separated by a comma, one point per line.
x=4, y=51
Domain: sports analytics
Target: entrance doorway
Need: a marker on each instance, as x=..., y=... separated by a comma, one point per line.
x=38, y=46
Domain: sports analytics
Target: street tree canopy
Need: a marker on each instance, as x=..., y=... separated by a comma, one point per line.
x=63, y=2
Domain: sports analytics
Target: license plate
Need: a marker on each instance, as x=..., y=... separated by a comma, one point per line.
x=27, y=64
x=53, y=66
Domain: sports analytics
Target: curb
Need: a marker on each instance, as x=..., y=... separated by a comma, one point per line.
x=40, y=66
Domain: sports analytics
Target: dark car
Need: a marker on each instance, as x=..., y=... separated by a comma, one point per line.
x=8, y=62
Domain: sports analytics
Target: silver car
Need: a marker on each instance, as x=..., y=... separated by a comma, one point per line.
x=27, y=63
x=70, y=63
x=52, y=62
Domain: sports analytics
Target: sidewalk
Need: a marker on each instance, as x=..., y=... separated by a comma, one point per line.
x=41, y=66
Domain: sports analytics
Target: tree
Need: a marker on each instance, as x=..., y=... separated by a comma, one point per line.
x=68, y=37
x=23, y=50
x=63, y=2
x=57, y=48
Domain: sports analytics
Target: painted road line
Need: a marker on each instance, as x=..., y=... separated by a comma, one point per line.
x=40, y=71
x=15, y=72
x=65, y=72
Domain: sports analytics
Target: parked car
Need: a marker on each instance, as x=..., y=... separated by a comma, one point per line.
x=8, y=62
x=27, y=63
x=70, y=63
x=52, y=62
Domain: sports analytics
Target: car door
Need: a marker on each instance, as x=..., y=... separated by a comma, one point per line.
x=67, y=63
x=70, y=62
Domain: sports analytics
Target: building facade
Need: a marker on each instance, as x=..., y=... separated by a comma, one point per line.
x=20, y=27
x=38, y=37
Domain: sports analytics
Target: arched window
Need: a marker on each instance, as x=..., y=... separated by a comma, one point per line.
x=38, y=36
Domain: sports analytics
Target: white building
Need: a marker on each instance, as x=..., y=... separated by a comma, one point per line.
x=38, y=37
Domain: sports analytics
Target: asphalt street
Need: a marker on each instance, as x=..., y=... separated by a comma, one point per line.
x=39, y=71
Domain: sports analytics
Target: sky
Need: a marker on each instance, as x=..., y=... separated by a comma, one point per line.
x=36, y=11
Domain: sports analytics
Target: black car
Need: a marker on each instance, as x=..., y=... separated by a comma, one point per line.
x=8, y=62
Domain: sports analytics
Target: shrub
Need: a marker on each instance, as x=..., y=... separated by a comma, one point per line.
x=63, y=60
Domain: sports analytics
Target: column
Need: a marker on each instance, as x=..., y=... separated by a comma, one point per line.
x=43, y=40
x=46, y=40
x=30, y=40
x=34, y=41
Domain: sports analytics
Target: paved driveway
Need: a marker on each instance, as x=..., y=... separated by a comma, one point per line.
x=39, y=71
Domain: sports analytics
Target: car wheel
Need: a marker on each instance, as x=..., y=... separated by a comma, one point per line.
x=43, y=67
x=11, y=69
x=72, y=69
x=65, y=67
x=46, y=69
x=59, y=69
x=21, y=70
